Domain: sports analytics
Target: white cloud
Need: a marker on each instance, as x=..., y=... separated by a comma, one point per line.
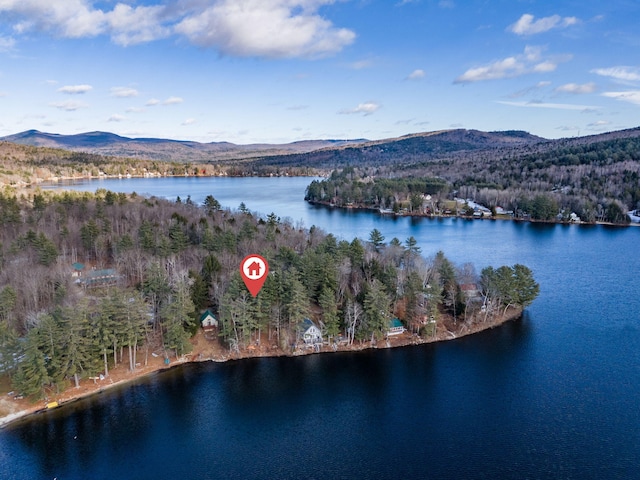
x=123, y=92
x=621, y=73
x=367, y=108
x=6, y=44
x=129, y=26
x=632, y=96
x=545, y=67
x=75, y=89
x=265, y=28
x=116, y=118
x=509, y=67
x=172, y=101
x=135, y=110
x=559, y=106
x=527, y=26
x=576, y=88
x=69, y=106
x=530, y=61
x=188, y=121
x=599, y=123
x=416, y=75
x=361, y=64
x=152, y=102
x=79, y=19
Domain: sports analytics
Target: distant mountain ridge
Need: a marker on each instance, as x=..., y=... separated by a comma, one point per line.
x=110, y=144
x=452, y=145
x=441, y=146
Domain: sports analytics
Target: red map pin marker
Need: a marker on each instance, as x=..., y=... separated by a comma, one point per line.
x=254, y=270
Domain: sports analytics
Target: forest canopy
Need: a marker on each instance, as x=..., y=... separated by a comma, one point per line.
x=90, y=281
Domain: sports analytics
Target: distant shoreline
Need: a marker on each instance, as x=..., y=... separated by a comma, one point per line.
x=465, y=217
x=89, y=388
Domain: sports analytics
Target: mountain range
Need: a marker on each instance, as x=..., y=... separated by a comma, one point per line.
x=110, y=144
x=417, y=148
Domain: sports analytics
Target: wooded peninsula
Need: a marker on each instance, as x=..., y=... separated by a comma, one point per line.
x=96, y=283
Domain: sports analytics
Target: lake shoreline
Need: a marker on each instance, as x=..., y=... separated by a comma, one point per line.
x=25, y=410
x=502, y=217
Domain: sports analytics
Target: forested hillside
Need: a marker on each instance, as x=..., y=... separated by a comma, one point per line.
x=22, y=164
x=597, y=178
x=88, y=281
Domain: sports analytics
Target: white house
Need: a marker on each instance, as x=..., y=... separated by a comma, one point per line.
x=208, y=321
x=310, y=332
x=395, y=327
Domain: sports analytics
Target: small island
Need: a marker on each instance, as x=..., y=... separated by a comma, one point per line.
x=99, y=289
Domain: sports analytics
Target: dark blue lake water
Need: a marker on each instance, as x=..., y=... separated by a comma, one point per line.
x=554, y=395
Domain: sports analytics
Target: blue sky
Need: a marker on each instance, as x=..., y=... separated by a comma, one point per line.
x=276, y=71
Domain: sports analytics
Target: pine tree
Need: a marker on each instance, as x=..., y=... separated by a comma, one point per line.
x=9, y=349
x=79, y=353
x=330, y=317
x=32, y=376
x=377, y=239
x=104, y=331
x=376, y=309
x=177, y=317
x=296, y=301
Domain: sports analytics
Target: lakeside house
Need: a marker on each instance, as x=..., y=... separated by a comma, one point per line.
x=208, y=321
x=310, y=333
x=395, y=327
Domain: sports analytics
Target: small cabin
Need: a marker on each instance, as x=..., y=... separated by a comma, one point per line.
x=77, y=269
x=208, y=321
x=395, y=327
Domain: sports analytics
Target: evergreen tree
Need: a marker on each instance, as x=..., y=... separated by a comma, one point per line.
x=377, y=239
x=147, y=236
x=376, y=306
x=8, y=297
x=178, y=238
x=78, y=349
x=32, y=376
x=177, y=317
x=156, y=287
x=330, y=317
x=296, y=301
x=89, y=233
x=9, y=349
x=413, y=296
x=103, y=326
x=211, y=204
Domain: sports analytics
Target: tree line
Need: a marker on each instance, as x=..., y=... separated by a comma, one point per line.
x=371, y=188
x=172, y=260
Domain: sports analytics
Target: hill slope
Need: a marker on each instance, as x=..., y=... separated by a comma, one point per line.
x=104, y=143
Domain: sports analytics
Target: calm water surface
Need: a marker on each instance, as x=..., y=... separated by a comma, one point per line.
x=555, y=395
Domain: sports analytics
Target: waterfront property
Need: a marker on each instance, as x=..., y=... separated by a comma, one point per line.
x=208, y=321
x=310, y=333
x=395, y=327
